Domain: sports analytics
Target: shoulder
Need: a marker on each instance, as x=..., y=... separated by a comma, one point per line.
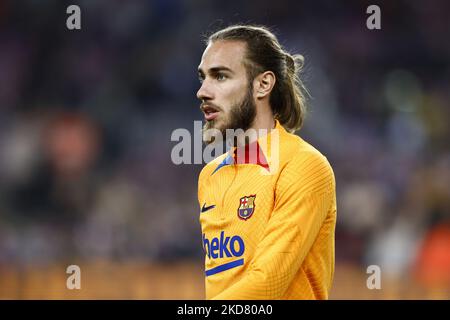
x=304, y=165
x=209, y=168
x=302, y=153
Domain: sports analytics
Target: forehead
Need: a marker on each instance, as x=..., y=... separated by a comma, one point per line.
x=221, y=53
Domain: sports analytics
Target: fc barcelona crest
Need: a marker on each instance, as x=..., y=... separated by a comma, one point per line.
x=246, y=207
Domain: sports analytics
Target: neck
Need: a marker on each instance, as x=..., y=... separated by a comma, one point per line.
x=262, y=125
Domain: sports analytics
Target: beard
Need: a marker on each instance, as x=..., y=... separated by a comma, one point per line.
x=240, y=116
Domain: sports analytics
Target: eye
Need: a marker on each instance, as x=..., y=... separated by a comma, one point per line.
x=220, y=77
x=200, y=78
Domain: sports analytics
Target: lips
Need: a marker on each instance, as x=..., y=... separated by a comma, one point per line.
x=210, y=112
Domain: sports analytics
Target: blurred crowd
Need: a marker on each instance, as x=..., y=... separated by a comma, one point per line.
x=86, y=118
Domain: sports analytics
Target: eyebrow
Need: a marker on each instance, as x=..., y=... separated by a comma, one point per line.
x=215, y=70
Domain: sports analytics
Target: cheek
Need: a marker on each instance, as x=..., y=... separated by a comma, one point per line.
x=233, y=95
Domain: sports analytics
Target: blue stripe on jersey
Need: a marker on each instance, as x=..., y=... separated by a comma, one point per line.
x=227, y=161
x=224, y=267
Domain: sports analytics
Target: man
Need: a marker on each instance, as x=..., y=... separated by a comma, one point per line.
x=268, y=218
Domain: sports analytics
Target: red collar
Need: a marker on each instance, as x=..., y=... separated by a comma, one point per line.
x=250, y=154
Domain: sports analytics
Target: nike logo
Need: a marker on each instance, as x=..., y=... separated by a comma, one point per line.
x=204, y=208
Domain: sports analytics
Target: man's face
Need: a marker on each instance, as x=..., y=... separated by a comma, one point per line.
x=226, y=92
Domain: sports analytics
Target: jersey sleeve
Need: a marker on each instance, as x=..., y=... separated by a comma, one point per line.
x=303, y=197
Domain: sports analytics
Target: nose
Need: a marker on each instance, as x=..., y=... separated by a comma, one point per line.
x=204, y=93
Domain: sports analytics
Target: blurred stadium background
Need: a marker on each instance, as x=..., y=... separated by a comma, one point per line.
x=86, y=118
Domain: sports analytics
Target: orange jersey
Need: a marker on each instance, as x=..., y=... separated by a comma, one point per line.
x=268, y=225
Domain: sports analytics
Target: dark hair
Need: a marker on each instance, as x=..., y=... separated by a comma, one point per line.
x=264, y=53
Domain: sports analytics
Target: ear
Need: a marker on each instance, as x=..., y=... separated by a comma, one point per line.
x=263, y=84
